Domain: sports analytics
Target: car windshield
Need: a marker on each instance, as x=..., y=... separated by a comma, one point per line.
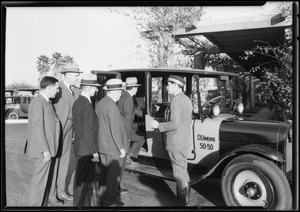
x=213, y=87
x=209, y=88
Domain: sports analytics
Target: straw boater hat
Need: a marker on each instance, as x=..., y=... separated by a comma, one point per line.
x=70, y=67
x=114, y=84
x=132, y=82
x=177, y=79
x=89, y=79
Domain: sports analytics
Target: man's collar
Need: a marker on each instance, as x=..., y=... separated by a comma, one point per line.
x=82, y=94
x=44, y=95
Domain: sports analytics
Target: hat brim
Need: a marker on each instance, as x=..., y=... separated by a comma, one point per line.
x=112, y=89
x=86, y=84
x=70, y=71
x=136, y=85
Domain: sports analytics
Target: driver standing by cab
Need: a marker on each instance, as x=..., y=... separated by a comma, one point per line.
x=178, y=128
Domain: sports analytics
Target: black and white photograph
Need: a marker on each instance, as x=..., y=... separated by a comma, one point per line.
x=179, y=106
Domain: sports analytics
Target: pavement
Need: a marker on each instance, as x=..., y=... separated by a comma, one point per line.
x=143, y=192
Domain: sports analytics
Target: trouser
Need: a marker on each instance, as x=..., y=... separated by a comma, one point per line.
x=83, y=180
x=136, y=143
x=178, y=160
x=111, y=167
x=66, y=159
x=41, y=182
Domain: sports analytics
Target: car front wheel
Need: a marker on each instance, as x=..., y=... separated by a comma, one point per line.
x=13, y=115
x=252, y=181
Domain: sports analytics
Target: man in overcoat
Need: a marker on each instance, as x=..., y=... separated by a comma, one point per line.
x=112, y=142
x=126, y=107
x=42, y=144
x=63, y=103
x=86, y=149
x=178, y=131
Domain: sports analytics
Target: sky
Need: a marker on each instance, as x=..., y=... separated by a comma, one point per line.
x=96, y=38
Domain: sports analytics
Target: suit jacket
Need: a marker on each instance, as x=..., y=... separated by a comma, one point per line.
x=43, y=128
x=126, y=107
x=112, y=135
x=85, y=123
x=179, y=126
x=63, y=102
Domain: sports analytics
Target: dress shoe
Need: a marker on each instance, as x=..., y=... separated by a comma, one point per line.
x=65, y=197
x=55, y=202
x=123, y=191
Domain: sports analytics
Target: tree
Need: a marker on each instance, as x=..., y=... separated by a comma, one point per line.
x=276, y=75
x=157, y=25
x=57, y=61
x=43, y=66
x=19, y=85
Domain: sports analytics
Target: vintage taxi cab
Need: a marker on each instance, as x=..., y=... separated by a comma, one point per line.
x=251, y=157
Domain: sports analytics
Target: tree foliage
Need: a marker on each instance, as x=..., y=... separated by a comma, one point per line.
x=157, y=25
x=57, y=61
x=276, y=74
x=19, y=85
x=276, y=78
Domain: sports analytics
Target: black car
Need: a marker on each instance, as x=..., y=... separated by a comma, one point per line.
x=252, y=157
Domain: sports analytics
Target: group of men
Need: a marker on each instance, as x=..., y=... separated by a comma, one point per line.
x=64, y=127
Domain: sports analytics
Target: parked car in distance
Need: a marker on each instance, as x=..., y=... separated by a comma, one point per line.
x=17, y=102
x=252, y=157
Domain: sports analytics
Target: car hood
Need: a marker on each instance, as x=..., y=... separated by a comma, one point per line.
x=249, y=130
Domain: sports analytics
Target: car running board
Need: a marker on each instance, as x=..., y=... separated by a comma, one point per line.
x=158, y=172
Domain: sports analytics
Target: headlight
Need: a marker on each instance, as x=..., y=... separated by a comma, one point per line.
x=239, y=108
x=214, y=111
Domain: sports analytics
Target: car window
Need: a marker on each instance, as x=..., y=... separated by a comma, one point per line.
x=209, y=88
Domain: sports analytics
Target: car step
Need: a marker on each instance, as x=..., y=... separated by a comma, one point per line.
x=158, y=172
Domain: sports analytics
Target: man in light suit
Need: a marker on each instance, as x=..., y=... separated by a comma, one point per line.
x=63, y=103
x=178, y=130
x=43, y=143
x=112, y=142
x=126, y=107
x=86, y=149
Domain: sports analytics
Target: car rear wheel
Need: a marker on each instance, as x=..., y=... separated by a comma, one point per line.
x=13, y=115
x=249, y=180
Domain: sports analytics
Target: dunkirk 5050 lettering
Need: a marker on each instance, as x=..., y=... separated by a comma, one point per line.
x=205, y=138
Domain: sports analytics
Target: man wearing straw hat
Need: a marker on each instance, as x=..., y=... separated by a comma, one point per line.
x=178, y=129
x=85, y=123
x=126, y=107
x=112, y=143
x=63, y=103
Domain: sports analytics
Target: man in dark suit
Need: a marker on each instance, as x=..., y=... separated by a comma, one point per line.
x=63, y=103
x=112, y=142
x=178, y=129
x=42, y=144
x=86, y=150
x=126, y=107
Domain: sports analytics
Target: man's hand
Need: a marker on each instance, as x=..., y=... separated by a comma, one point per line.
x=122, y=153
x=95, y=157
x=47, y=156
x=154, y=124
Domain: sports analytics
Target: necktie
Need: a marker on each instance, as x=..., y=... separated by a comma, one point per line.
x=52, y=105
x=71, y=89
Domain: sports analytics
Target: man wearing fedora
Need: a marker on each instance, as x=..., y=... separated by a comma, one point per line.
x=178, y=128
x=126, y=107
x=63, y=103
x=112, y=142
x=85, y=123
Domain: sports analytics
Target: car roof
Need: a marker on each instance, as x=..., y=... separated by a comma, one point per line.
x=170, y=70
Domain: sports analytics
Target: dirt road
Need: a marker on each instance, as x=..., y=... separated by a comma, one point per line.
x=143, y=191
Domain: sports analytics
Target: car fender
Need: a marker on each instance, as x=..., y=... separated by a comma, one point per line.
x=256, y=149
